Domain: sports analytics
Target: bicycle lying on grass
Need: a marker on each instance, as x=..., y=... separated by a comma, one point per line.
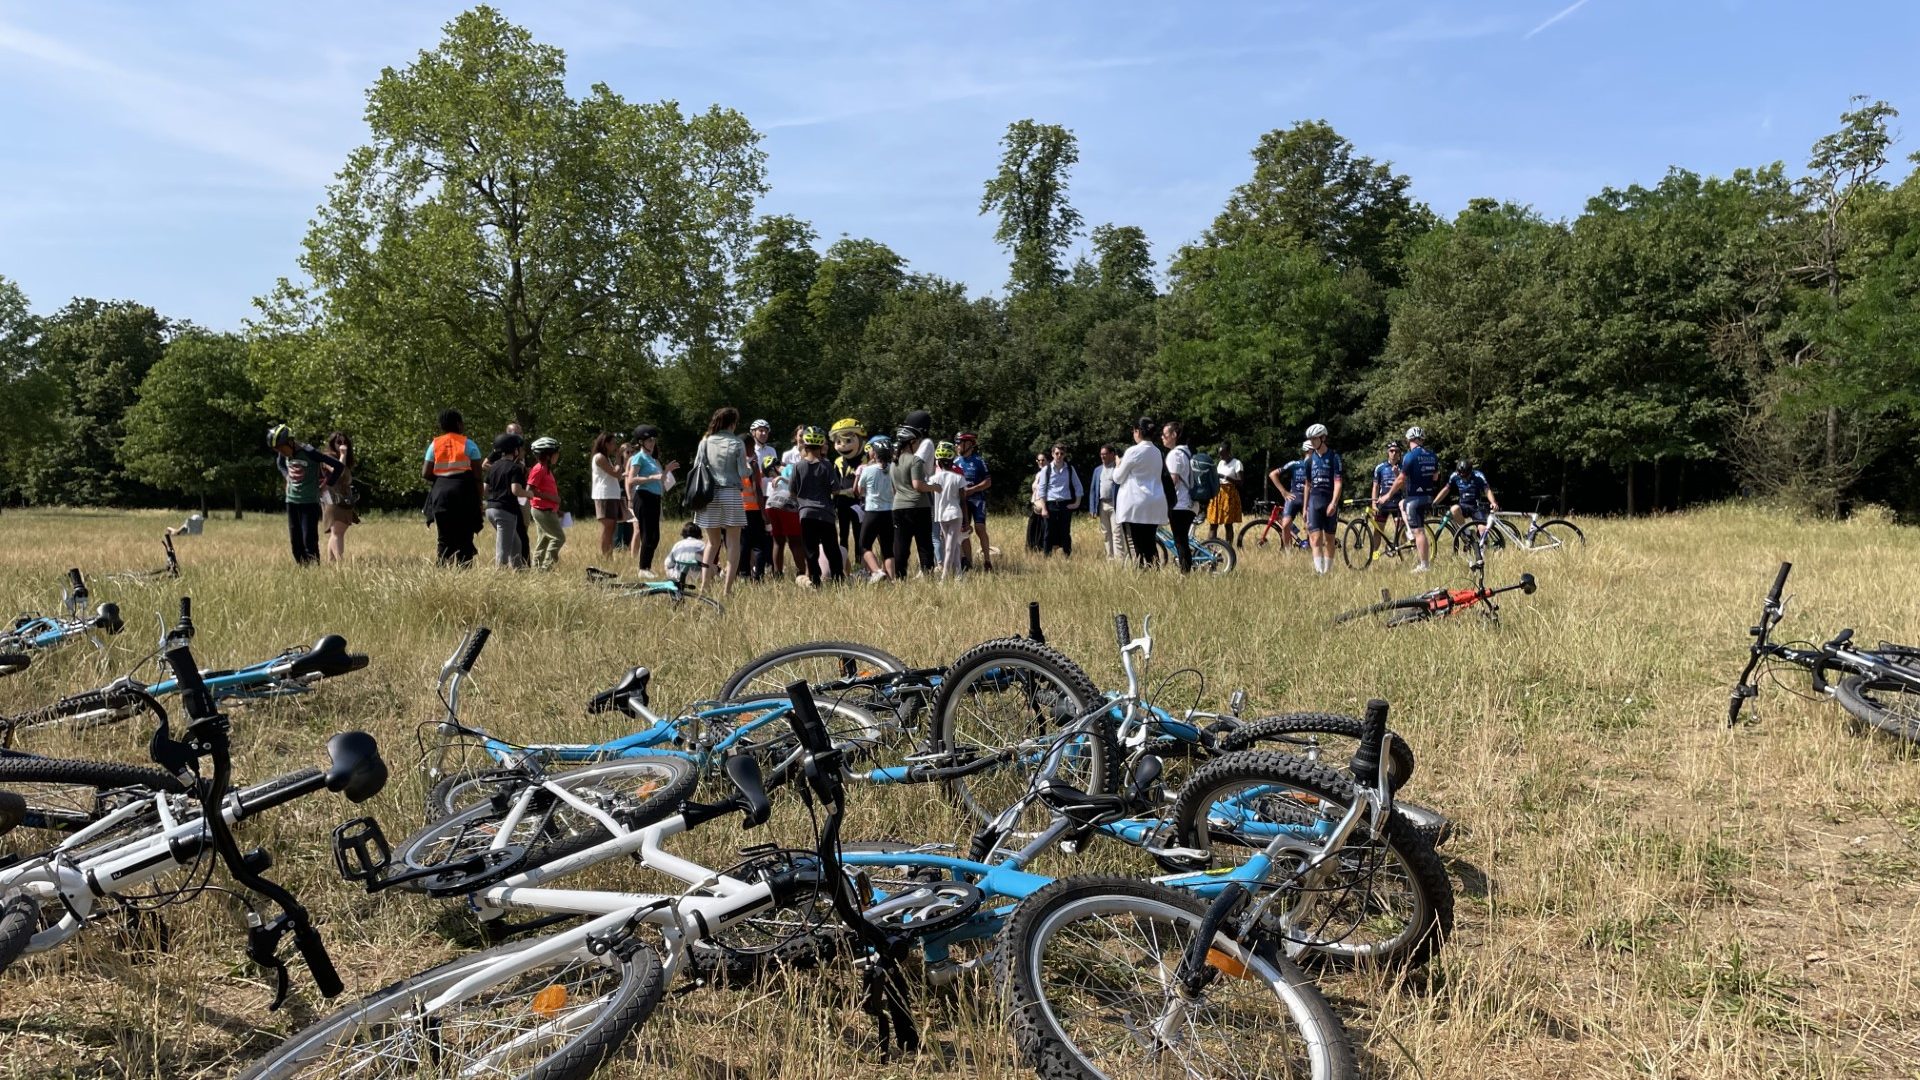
x=31, y=632
x=1441, y=603
x=169, y=569
x=294, y=671
x=146, y=823
x=670, y=591
x=1879, y=686
x=555, y=1006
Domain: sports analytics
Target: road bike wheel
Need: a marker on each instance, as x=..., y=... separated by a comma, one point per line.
x=1467, y=542
x=1014, y=693
x=1558, y=533
x=1089, y=963
x=815, y=662
x=1224, y=558
x=1260, y=541
x=1887, y=702
x=556, y=1021
x=1380, y=901
x=66, y=796
x=635, y=791
x=1328, y=739
x=1354, y=546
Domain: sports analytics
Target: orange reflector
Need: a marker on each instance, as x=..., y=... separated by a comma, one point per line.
x=1221, y=962
x=550, y=1001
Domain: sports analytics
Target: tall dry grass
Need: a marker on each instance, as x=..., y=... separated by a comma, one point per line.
x=1642, y=892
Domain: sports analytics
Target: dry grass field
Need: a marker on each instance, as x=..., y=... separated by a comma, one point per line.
x=1642, y=892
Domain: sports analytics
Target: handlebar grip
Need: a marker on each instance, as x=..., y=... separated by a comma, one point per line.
x=475, y=642
x=314, y=952
x=1034, y=633
x=805, y=719
x=193, y=689
x=1121, y=632
x=1365, y=765
x=1779, y=583
x=74, y=582
x=186, y=609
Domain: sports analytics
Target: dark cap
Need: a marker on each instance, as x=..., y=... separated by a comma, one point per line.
x=919, y=420
x=645, y=432
x=508, y=443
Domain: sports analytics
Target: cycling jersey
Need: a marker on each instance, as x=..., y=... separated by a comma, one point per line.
x=1472, y=489
x=1384, y=474
x=1295, y=475
x=1418, y=466
x=1321, y=471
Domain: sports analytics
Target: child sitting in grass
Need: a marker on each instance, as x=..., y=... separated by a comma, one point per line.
x=683, y=558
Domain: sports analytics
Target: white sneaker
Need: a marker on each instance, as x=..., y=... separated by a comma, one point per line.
x=649, y=575
x=1422, y=568
x=876, y=575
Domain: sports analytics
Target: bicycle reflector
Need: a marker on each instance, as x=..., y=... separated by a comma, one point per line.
x=1227, y=965
x=551, y=1000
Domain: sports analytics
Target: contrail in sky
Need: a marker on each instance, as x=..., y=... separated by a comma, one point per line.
x=1564, y=12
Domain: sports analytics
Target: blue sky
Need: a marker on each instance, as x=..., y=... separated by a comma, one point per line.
x=173, y=153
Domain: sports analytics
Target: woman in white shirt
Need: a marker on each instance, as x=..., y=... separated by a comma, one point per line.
x=1140, y=503
x=609, y=503
x=1180, y=515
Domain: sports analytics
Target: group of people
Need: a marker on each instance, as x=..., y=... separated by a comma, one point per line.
x=837, y=502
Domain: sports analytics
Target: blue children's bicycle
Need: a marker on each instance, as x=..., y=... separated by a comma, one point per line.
x=31, y=632
x=669, y=590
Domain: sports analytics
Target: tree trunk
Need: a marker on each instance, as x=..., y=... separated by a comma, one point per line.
x=1659, y=485
x=1563, y=483
x=1832, y=479
x=238, y=510
x=1632, y=501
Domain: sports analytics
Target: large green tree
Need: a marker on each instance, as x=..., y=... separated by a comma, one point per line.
x=31, y=394
x=198, y=428
x=506, y=247
x=95, y=355
x=1037, y=222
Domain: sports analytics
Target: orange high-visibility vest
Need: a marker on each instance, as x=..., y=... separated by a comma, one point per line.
x=450, y=455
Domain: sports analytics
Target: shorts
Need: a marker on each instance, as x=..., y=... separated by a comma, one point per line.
x=1322, y=515
x=976, y=509
x=783, y=523
x=1475, y=514
x=1387, y=511
x=332, y=514
x=609, y=509
x=1291, y=509
x=1415, y=508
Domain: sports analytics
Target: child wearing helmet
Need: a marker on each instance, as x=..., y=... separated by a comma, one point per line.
x=875, y=487
x=305, y=471
x=812, y=480
x=683, y=558
x=949, y=504
x=544, y=505
x=849, y=440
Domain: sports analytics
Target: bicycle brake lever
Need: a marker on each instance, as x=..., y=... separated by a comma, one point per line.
x=263, y=948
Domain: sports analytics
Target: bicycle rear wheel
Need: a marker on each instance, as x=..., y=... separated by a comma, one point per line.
x=1327, y=739
x=66, y=796
x=1224, y=558
x=1405, y=603
x=1091, y=965
x=1887, y=702
x=813, y=662
x=557, y=1020
x=1354, y=547
x=1261, y=541
x=1557, y=533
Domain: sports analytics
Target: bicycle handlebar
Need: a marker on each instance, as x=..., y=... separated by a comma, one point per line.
x=75, y=586
x=193, y=689
x=475, y=642
x=1121, y=633
x=1779, y=583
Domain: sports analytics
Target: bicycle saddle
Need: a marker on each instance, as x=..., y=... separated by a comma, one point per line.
x=354, y=766
x=633, y=684
x=108, y=618
x=1088, y=809
x=13, y=811
x=327, y=658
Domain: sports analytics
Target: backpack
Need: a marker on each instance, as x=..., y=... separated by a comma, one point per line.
x=1206, y=482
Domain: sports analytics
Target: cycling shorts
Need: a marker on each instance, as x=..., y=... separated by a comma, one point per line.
x=1415, y=508
x=1387, y=511
x=1322, y=515
x=1292, y=508
x=976, y=510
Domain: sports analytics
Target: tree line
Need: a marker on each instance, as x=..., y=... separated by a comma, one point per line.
x=579, y=263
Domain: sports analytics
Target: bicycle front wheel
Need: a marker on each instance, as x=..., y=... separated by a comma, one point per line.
x=1887, y=702
x=1015, y=695
x=1558, y=533
x=1379, y=900
x=1224, y=559
x=1091, y=965
x=66, y=796
x=1328, y=739
x=1354, y=546
x=557, y=1020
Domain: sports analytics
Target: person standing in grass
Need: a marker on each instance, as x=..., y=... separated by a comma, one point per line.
x=1140, y=507
x=973, y=466
x=304, y=470
x=506, y=485
x=646, y=479
x=337, y=514
x=813, y=479
x=1224, y=509
x=949, y=507
x=606, y=482
x=544, y=503
x=1414, y=488
x=452, y=466
x=1324, y=482
x=849, y=440
x=1180, y=513
x=1103, y=493
x=725, y=517
x=1059, y=495
x=875, y=487
x=912, y=508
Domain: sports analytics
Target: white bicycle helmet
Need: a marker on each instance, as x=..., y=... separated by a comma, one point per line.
x=1415, y=433
x=1317, y=431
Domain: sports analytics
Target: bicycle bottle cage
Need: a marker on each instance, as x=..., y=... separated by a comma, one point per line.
x=632, y=685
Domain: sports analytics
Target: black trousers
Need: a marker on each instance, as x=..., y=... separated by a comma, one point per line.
x=1146, y=546
x=817, y=535
x=849, y=520
x=303, y=531
x=912, y=527
x=453, y=531
x=756, y=546
x=1036, y=532
x=1180, y=522
x=525, y=558
x=647, y=511
x=877, y=529
x=1059, y=532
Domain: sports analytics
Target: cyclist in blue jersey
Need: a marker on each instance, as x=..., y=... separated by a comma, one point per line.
x=974, y=513
x=1474, y=498
x=1290, y=481
x=1384, y=474
x=1419, y=474
x=1324, y=481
